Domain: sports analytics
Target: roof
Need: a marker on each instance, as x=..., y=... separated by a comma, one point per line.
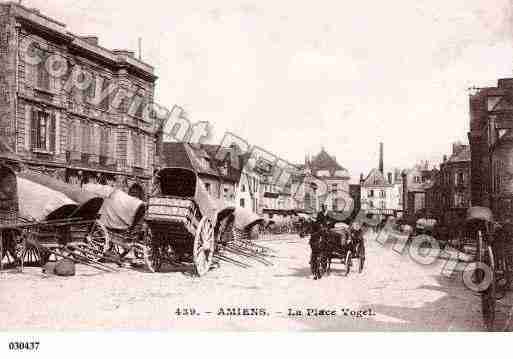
x=375, y=178
x=323, y=161
x=200, y=158
x=461, y=156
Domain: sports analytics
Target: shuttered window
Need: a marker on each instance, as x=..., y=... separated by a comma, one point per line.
x=42, y=131
x=137, y=146
x=104, y=104
x=86, y=138
x=43, y=76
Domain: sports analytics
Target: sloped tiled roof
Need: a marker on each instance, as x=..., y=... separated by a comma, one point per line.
x=323, y=161
x=461, y=156
x=187, y=155
x=375, y=178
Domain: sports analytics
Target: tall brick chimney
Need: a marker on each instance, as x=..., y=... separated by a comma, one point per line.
x=381, y=157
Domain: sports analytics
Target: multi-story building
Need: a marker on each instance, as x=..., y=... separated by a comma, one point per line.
x=71, y=108
x=447, y=192
x=381, y=193
x=415, y=181
x=491, y=147
x=326, y=182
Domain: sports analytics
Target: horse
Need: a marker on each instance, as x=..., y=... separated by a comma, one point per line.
x=318, y=247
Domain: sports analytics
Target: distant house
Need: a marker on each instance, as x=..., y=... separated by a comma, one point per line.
x=327, y=183
x=219, y=176
x=381, y=193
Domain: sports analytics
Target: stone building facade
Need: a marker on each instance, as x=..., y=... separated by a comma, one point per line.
x=448, y=192
x=414, y=182
x=71, y=108
x=381, y=191
x=323, y=181
x=491, y=147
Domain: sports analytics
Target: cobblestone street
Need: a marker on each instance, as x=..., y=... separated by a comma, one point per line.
x=393, y=293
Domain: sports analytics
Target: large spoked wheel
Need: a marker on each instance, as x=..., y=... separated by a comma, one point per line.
x=10, y=247
x=349, y=262
x=33, y=255
x=98, y=241
x=488, y=296
x=204, y=244
x=150, y=252
x=361, y=257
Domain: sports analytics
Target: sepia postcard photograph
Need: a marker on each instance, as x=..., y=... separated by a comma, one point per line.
x=255, y=166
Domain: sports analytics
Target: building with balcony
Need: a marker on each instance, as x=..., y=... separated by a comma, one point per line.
x=71, y=108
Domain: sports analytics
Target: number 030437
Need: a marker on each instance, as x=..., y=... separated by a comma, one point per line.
x=23, y=346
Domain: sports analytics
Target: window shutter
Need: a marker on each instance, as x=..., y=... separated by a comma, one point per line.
x=33, y=129
x=52, y=132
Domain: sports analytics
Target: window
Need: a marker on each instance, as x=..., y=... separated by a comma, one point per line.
x=242, y=202
x=371, y=204
x=104, y=104
x=224, y=169
x=334, y=187
x=104, y=141
x=460, y=179
x=43, y=76
x=382, y=205
x=137, y=143
x=43, y=131
x=207, y=187
x=382, y=194
x=243, y=189
x=371, y=193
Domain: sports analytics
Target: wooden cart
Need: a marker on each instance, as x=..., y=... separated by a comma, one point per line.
x=41, y=221
x=183, y=222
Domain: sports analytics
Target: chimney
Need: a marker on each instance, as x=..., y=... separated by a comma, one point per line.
x=93, y=40
x=445, y=159
x=389, y=174
x=361, y=178
x=381, y=157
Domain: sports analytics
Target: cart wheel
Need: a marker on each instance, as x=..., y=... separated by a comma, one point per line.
x=349, y=255
x=361, y=257
x=151, y=252
x=32, y=255
x=488, y=296
x=204, y=243
x=8, y=256
x=98, y=239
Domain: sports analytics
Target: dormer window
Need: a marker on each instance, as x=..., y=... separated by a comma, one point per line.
x=224, y=169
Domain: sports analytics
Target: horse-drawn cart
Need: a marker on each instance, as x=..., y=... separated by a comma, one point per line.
x=494, y=257
x=122, y=217
x=48, y=218
x=183, y=221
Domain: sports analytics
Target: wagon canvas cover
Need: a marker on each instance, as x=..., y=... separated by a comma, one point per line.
x=89, y=203
x=245, y=218
x=38, y=202
x=119, y=211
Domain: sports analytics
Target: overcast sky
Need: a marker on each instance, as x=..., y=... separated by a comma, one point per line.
x=292, y=76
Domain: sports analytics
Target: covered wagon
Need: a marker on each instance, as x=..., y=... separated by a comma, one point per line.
x=183, y=221
x=43, y=216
